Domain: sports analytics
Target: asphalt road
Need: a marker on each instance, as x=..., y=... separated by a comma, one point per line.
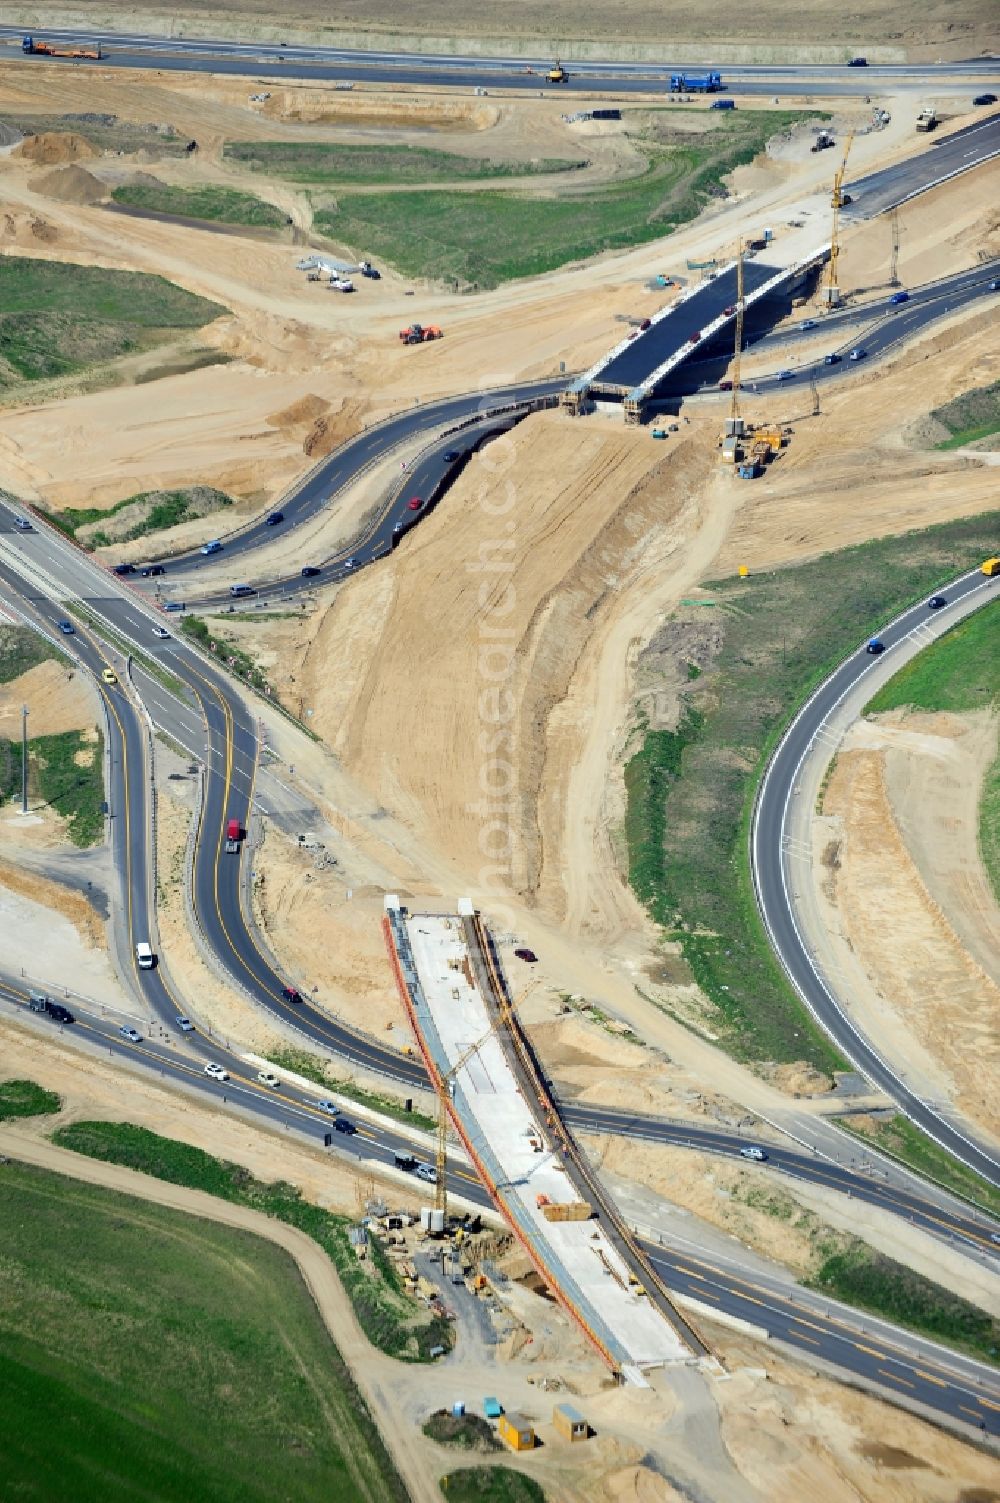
x=772, y=845
x=269, y=60
x=946, y=157
x=906, y=1368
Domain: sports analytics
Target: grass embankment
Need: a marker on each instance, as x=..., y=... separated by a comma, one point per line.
x=21, y=650
x=866, y=1279
x=235, y=658
x=301, y=1062
x=106, y=132
x=57, y=319
x=961, y=671
x=390, y=1320
x=690, y=792
x=975, y=414
x=491, y=1484
x=321, y=163
x=149, y=1354
x=66, y=772
x=219, y=205
x=136, y=516
x=900, y=1139
x=481, y=239
x=23, y=1098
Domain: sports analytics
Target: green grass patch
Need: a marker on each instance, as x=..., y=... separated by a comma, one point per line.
x=975, y=414
x=865, y=1278
x=58, y=319
x=65, y=771
x=222, y=205
x=960, y=671
x=107, y=132
x=490, y=1484
x=690, y=792
x=301, y=1062
x=322, y=163
x=137, y=516
x=147, y=1354
x=467, y=1432
x=23, y=1098
x=21, y=650
x=901, y=1139
x=390, y=1320
x=480, y=239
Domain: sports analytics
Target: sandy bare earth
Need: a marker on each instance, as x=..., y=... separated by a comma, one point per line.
x=915, y=985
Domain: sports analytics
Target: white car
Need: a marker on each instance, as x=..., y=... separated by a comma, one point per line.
x=216, y=1071
x=266, y=1078
x=330, y=1107
x=132, y=1034
x=162, y=633
x=757, y=1154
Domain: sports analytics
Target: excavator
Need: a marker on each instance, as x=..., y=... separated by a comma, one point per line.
x=557, y=73
x=31, y=48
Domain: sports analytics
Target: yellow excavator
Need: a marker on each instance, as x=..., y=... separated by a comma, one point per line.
x=557, y=73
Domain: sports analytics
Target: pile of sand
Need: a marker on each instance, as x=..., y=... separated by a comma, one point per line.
x=70, y=185
x=328, y=433
x=51, y=147
x=308, y=409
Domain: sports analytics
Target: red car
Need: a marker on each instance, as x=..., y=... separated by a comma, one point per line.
x=415, y=503
x=645, y=323
x=290, y=994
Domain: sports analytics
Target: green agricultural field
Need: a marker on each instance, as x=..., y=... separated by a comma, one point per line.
x=481, y=238
x=690, y=790
x=961, y=671
x=223, y=205
x=57, y=319
x=323, y=164
x=146, y=1354
x=389, y=1318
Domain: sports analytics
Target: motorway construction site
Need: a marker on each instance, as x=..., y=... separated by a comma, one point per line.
x=324, y=641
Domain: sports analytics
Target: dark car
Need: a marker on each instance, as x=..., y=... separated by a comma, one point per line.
x=450, y=455
x=874, y=646
x=309, y=571
x=291, y=994
x=858, y=62
x=66, y=627
x=342, y=1125
x=124, y=568
x=59, y=1014
x=900, y=297
x=936, y=602
x=276, y=518
x=831, y=359
x=985, y=99
x=995, y=285
x=150, y=571
x=526, y=954
x=173, y=605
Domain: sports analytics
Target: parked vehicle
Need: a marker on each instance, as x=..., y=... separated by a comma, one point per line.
x=985, y=99
x=723, y=104
x=526, y=954
x=173, y=605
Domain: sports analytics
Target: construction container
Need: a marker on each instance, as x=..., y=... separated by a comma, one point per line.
x=516, y=1432
x=575, y=1210
x=730, y=449
x=492, y=1408
x=458, y=1409
x=569, y=1423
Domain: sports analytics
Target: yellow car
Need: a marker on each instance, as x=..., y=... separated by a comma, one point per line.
x=110, y=676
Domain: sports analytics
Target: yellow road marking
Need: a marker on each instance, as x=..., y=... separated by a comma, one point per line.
x=895, y=1378
x=870, y=1351
x=929, y=1377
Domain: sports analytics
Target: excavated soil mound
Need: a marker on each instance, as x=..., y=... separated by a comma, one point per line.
x=70, y=185
x=328, y=432
x=51, y=147
x=311, y=108
x=308, y=409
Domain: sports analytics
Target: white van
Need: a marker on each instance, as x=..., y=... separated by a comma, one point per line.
x=144, y=956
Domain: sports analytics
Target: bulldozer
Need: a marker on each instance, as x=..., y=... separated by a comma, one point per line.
x=420, y=334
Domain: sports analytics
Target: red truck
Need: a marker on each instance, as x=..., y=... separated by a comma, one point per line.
x=234, y=835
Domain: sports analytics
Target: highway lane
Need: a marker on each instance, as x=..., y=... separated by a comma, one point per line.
x=904, y=1368
x=947, y=156
x=772, y=846
x=279, y=60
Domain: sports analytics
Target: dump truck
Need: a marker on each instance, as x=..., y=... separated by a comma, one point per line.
x=696, y=83
x=419, y=334
x=233, y=837
x=31, y=48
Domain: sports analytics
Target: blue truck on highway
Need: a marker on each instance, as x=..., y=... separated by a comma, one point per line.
x=696, y=83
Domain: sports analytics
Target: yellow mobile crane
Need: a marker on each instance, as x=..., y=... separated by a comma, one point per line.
x=837, y=202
